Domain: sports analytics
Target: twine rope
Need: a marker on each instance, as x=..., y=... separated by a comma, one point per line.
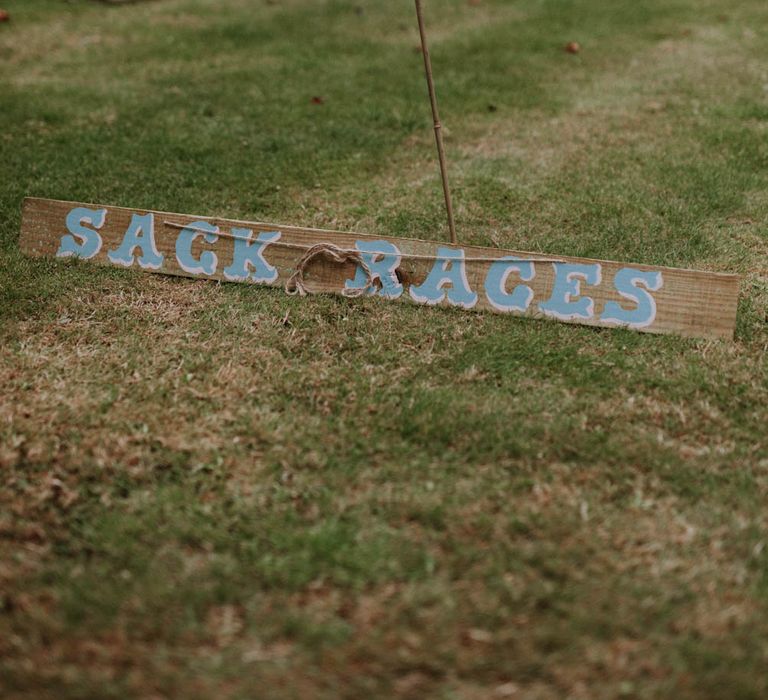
x=296, y=285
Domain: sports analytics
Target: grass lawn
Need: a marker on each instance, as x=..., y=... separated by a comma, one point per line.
x=219, y=491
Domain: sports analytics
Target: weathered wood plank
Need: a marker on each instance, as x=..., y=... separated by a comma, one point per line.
x=575, y=290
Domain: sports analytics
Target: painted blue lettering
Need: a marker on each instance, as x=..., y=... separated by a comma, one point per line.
x=449, y=271
x=141, y=235
x=383, y=258
x=496, y=284
x=248, y=263
x=566, y=302
x=81, y=241
x=628, y=282
x=207, y=262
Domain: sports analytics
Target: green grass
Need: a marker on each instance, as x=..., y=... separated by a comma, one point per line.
x=220, y=491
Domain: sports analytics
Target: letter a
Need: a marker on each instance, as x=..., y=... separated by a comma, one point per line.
x=449, y=270
x=141, y=235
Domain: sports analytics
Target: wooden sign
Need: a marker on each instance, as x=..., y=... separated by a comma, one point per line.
x=574, y=290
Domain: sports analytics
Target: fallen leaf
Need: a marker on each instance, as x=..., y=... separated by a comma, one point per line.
x=410, y=683
x=573, y=47
x=508, y=690
x=479, y=636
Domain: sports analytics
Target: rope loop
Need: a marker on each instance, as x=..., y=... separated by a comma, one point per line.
x=296, y=284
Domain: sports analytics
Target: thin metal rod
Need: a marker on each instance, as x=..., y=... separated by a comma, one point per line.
x=438, y=125
x=405, y=256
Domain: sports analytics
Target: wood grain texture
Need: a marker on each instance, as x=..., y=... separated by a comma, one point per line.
x=689, y=302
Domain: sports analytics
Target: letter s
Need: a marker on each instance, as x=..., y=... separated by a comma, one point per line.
x=81, y=241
